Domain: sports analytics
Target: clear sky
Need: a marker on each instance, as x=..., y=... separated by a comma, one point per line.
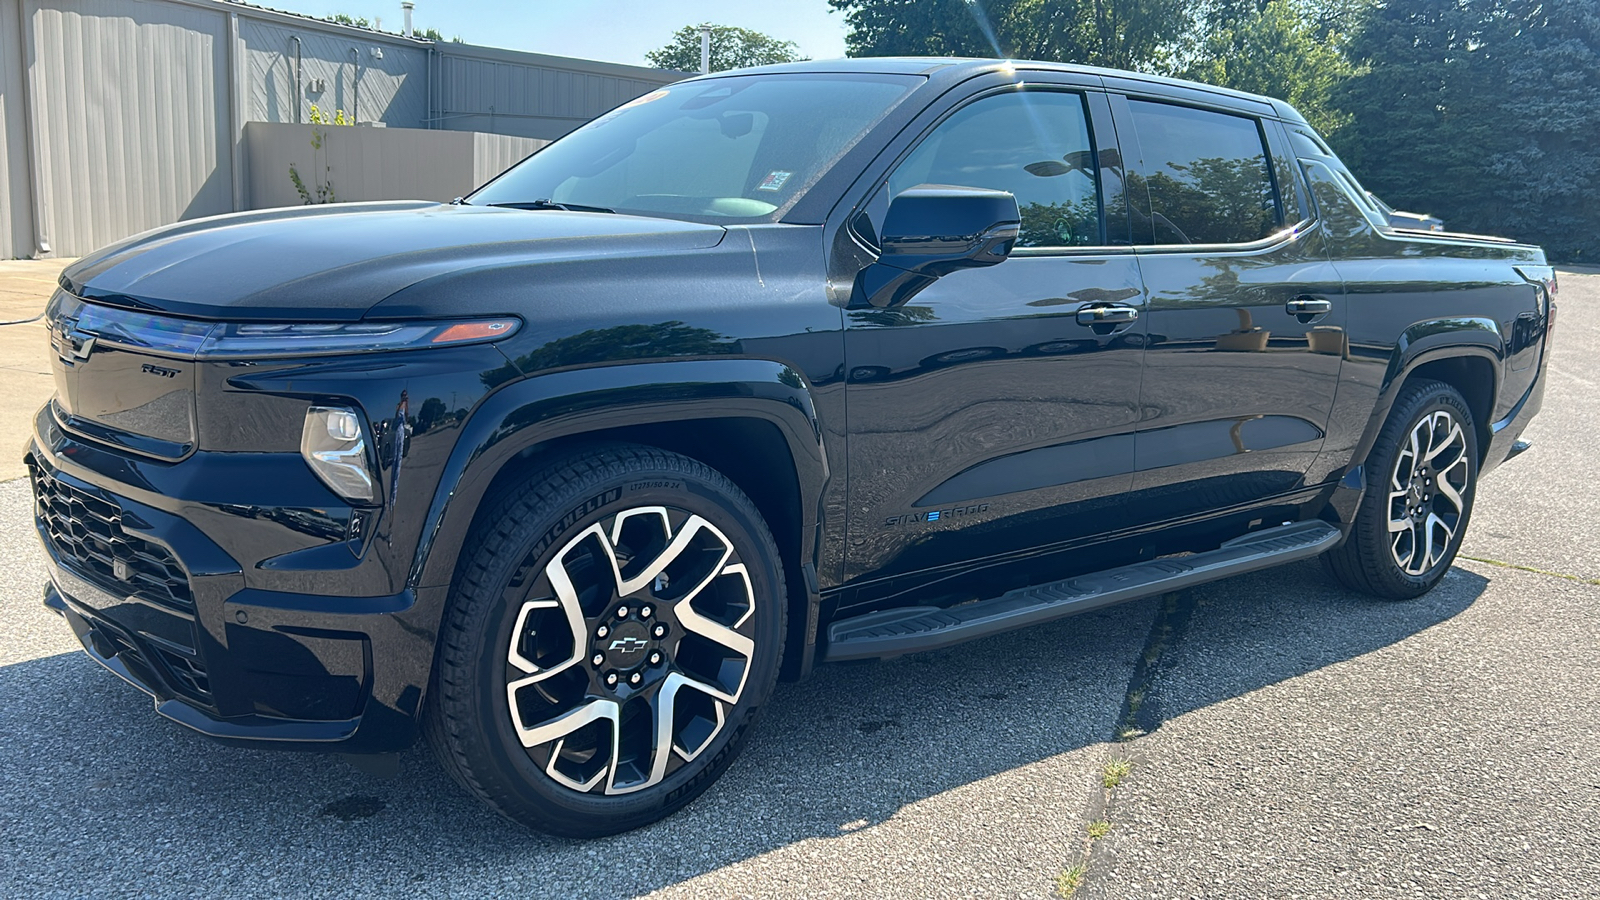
x=611, y=30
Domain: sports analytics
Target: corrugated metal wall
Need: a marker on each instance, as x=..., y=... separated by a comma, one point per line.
x=137, y=108
x=393, y=89
x=16, y=200
x=483, y=89
x=125, y=109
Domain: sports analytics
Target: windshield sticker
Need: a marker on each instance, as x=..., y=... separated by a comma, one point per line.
x=774, y=181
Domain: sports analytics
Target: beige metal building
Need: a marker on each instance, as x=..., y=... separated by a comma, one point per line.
x=117, y=116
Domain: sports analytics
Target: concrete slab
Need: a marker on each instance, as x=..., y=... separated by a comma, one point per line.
x=25, y=382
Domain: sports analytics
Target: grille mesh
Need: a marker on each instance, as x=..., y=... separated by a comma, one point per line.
x=87, y=531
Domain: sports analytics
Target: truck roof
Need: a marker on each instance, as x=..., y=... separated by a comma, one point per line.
x=960, y=69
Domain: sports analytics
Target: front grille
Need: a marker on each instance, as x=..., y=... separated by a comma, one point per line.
x=86, y=531
x=182, y=673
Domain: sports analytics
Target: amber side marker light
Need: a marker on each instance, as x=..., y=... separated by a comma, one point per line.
x=475, y=331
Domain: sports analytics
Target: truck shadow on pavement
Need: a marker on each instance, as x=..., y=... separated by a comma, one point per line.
x=100, y=796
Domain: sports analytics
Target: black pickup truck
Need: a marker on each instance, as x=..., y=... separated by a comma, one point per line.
x=829, y=361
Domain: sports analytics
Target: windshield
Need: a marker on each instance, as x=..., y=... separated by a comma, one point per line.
x=720, y=150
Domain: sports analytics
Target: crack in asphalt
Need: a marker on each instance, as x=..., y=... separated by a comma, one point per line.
x=1141, y=705
x=1141, y=715
x=1521, y=568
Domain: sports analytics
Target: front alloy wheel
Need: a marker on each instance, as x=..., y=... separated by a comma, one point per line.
x=616, y=624
x=631, y=647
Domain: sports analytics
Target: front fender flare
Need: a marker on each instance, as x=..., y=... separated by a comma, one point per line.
x=547, y=407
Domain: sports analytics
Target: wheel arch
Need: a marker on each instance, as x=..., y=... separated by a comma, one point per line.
x=1466, y=353
x=753, y=420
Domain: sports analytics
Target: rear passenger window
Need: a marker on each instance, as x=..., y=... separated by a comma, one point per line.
x=1207, y=176
x=1034, y=144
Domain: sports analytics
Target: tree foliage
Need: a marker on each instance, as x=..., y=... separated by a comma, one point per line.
x=1484, y=113
x=1277, y=49
x=1128, y=34
x=731, y=48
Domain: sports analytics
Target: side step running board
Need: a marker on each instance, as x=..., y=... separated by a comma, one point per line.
x=892, y=632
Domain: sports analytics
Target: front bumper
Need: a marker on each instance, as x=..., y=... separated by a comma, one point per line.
x=158, y=601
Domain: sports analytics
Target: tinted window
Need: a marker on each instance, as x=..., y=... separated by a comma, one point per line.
x=1207, y=177
x=1034, y=144
x=728, y=148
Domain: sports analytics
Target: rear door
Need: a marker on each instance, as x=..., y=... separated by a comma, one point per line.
x=1245, y=313
x=986, y=418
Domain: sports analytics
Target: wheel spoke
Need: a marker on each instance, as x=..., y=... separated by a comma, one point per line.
x=694, y=623
x=665, y=709
x=1436, y=550
x=514, y=655
x=680, y=542
x=1453, y=439
x=559, y=727
x=1402, y=537
x=1448, y=491
x=1403, y=521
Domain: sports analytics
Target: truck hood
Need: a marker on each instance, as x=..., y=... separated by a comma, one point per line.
x=334, y=263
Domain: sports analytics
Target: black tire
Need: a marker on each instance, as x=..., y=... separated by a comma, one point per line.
x=689, y=615
x=1375, y=559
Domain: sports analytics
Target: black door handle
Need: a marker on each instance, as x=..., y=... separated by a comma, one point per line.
x=1308, y=306
x=1107, y=315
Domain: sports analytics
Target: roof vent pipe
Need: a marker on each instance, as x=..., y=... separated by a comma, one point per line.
x=406, y=6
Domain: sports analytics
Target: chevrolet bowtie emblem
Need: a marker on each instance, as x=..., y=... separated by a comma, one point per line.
x=71, y=345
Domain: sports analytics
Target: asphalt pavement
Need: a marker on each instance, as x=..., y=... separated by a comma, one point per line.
x=1298, y=741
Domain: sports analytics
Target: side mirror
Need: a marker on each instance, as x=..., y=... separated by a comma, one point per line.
x=933, y=230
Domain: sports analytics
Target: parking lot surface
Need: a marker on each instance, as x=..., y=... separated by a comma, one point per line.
x=1297, y=741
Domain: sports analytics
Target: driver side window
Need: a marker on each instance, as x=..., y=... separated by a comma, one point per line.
x=1034, y=144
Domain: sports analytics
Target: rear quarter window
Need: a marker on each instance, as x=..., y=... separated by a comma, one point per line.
x=1207, y=175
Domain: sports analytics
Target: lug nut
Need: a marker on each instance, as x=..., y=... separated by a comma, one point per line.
x=598, y=659
x=655, y=658
x=611, y=679
x=622, y=612
x=644, y=611
x=602, y=631
x=660, y=631
x=635, y=678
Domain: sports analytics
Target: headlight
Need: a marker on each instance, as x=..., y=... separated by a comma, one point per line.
x=264, y=340
x=335, y=447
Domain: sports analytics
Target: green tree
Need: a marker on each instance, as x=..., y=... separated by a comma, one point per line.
x=1274, y=48
x=1549, y=99
x=1128, y=34
x=1425, y=106
x=731, y=48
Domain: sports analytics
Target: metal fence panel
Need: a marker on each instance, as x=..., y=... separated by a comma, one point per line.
x=16, y=199
x=337, y=67
x=125, y=101
x=374, y=163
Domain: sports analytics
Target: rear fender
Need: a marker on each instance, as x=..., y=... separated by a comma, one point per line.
x=1427, y=342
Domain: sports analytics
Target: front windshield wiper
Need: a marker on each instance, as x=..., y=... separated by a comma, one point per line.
x=551, y=204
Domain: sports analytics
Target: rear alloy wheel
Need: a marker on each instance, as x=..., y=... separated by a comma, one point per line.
x=599, y=685
x=1426, y=509
x=1410, y=524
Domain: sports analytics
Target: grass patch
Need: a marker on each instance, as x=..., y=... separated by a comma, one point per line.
x=1098, y=830
x=1069, y=879
x=1114, y=772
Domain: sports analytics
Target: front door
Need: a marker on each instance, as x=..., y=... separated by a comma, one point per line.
x=985, y=416
x=1246, y=314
